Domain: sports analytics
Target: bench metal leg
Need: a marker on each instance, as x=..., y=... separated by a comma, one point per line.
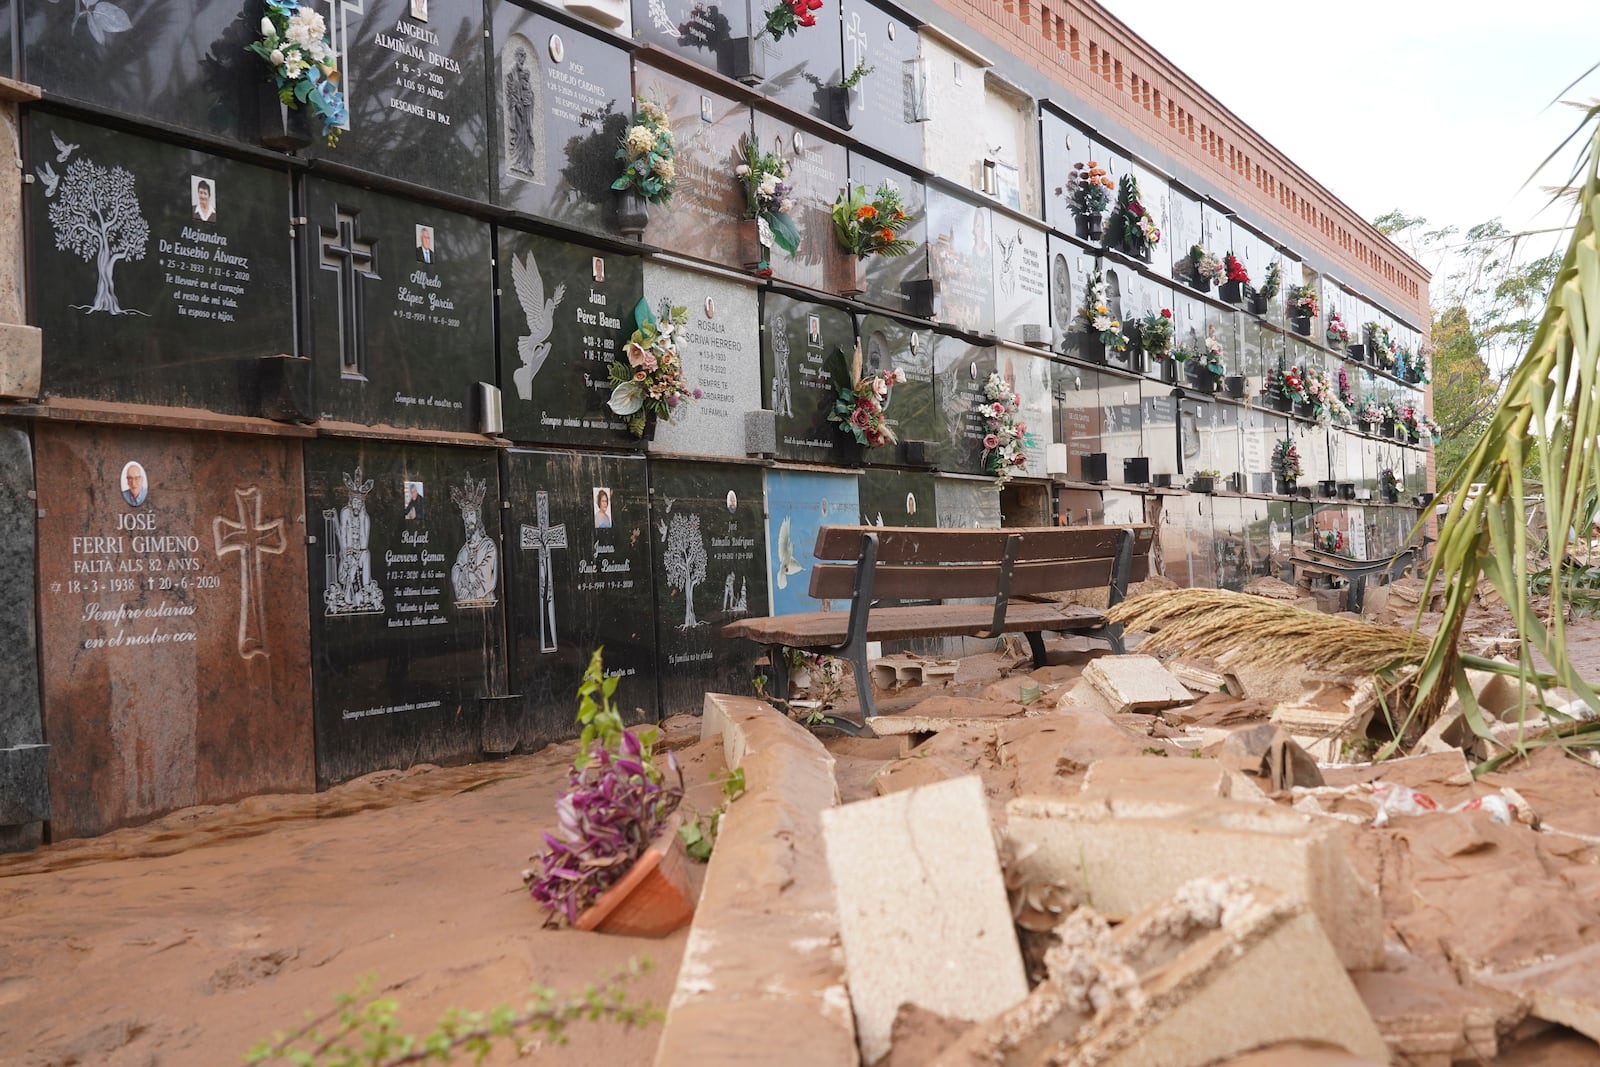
x=1036, y=646
x=778, y=665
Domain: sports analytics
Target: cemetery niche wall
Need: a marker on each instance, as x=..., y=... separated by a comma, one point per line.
x=437, y=515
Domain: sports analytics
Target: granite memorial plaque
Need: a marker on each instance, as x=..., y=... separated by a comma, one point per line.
x=1021, y=281
x=1032, y=376
x=1160, y=418
x=1078, y=401
x=565, y=317
x=1182, y=232
x=959, y=262
x=561, y=102
x=721, y=347
x=818, y=172
x=1223, y=325
x=896, y=498
x=1254, y=251
x=803, y=70
x=798, y=504
x=1188, y=325
x=24, y=773
x=802, y=343
x=1257, y=536
x=1197, y=509
x=1254, y=340
x=1195, y=439
x=716, y=36
x=401, y=308
x=1063, y=143
x=960, y=370
x=1216, y=230
x=578, y=577
x=1227, y=439
x=965, y=503
x=1121, y=426
x=890, y=279
x=414, y=74
x=895, y=344
x=172, y=622
x=702, y=219
x=710, y=549
x=407, y=612
x=1229, y=551
x=158, y=275
x=180, y=64
x=885, y=108
x=1070, y=268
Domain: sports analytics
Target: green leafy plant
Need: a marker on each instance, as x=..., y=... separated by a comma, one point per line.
x=853, y=79
x=647, y=149
x=362, y=1029
x=602, y=720
x=699, y=834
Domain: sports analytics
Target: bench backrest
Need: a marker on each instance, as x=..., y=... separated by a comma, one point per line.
x=938, y=564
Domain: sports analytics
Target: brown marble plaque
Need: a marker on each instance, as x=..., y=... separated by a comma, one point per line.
x=702, y=219
x=172, y=622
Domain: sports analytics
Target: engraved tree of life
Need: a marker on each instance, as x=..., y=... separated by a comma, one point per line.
x=250, y=539
x=543, y=538
x=345, y=253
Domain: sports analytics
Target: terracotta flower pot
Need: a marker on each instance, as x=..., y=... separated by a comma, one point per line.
x=653, y=899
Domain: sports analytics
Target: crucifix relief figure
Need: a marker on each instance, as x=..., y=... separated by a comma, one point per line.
x=250, y=538
x=344, y=252
x=478, y=562
x=543, y=538
x=350, y=589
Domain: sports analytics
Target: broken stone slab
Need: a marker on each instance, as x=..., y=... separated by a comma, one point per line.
x=1126, y=855
x=1322, y=720
x=1564, y=990
x=1425, y=1015
x=1191, y=979
x=1202, y=679
x=1272, y=589
x=761, y=956
x=923, y=914
x=1136, y=683
x=1083, y=696
x=1270, y=754
x=1157, y=778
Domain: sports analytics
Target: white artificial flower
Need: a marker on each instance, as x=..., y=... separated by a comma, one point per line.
x=768, y=185
x=1102, y=323
x=267, y=28
x=276, y=57
x=742, y=169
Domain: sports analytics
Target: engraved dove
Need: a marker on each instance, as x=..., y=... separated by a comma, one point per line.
x=541, y=313
x=63, y=149
x=51, y=179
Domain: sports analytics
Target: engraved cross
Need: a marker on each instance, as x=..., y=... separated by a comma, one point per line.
x=251, y=539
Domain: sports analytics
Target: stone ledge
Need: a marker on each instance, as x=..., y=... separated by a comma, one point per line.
x=763, y=957
x=21, y=360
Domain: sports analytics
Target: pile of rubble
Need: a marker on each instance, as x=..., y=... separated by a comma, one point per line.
x=1119, y=861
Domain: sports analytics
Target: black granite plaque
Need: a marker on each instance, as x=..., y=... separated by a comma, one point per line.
x=566, y=315
x=894, y=344
x=144, y=297
x=578, y=577
x=817, y=172
x=182, y=64
x=1160, y=431
x=415, y=87
x=800, y=343
x=1078, y=404
x=702, y=219
x=803, y=70
x=1070, y=267
x=892, y=281
x=711, y=34
x=1182, y=232
x=561, y=103
x=401, y=308
x=959, y=262
x=883, y=109
x=960, y=371
x=1063, y=143
x=406, y=605
x=710, y=551
x=896, y=498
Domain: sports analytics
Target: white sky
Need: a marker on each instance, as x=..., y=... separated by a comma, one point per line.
x=1437, y=107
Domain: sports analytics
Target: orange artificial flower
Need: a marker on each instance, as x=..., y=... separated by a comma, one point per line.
x=866, y=211
x=886, y=233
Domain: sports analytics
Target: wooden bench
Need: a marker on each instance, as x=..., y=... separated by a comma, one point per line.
x=1008, y=568
x=1354, y=571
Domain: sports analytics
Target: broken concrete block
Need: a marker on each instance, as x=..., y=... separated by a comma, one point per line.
x=1126, y=855
x=1426, y=1016
x=923, y=914
x=1148, y=776
x=1083, y=696
x=906, y=669
x=1201, y=679
x=1136, y=683
x=1190, y=980
x=1564, y=990
x=761, y=954
x=1323, y=720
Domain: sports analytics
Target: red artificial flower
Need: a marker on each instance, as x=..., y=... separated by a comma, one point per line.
x=1166, y=313
x=1136, y=209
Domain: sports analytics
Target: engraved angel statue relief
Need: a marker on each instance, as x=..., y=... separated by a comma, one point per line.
x=534, y=348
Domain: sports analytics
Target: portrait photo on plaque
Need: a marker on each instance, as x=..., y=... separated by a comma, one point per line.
x=203, y=198
x=135, y=485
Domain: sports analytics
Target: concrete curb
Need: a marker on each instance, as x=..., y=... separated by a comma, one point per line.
x=763, y=954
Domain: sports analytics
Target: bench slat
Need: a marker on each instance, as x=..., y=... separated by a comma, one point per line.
x=910, y=544
x=822, y=629
x=836, y=581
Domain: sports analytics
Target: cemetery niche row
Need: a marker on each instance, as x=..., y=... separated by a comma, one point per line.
x=281, y=614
